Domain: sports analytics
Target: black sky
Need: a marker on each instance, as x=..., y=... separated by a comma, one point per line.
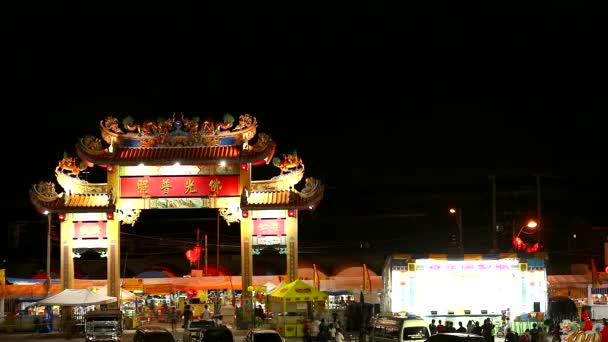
x=399, y=118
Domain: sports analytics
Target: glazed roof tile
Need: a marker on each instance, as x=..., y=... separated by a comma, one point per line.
x=76, y=203
x=280, y=199
x=169, y=155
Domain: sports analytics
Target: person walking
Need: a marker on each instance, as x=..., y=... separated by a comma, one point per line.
x=173, y=319
x=187, y=317
x=323, y=331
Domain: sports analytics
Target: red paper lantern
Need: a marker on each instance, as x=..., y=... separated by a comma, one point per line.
x=194, y=253
x=191, y=293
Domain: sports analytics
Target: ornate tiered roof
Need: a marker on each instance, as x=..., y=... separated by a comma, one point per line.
x=178, y=139
x=188, y=141
x=44, y=198
x=306, y=199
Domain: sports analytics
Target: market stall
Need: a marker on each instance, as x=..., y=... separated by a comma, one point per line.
x=292, y=304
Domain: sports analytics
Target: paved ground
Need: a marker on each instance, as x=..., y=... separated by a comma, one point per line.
x=127, y=336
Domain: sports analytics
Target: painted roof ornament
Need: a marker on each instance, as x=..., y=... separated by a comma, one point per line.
x=45, y=191
x=70, y=165
x=288, y=162
x=178, y=131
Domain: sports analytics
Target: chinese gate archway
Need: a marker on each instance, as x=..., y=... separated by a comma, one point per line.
x=177, y=162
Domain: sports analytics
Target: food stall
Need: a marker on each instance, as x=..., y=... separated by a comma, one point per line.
x=292, y=304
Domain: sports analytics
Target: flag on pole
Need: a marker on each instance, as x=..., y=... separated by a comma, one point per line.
x=316, y=280
x=367, y=282
x=3, y=281
x=595, y=276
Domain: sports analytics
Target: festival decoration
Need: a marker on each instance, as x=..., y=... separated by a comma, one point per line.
x=194, y=254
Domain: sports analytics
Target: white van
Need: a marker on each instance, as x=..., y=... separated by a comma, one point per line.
x=399, y=329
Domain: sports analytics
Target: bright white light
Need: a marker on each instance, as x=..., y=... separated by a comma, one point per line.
x=111, y=148
x=141, y=165
x=46, y=212
x=532, y=224
x=177, y=164
x=222, y=163
x=452, y=210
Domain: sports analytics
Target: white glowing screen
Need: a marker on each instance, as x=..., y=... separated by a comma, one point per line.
x=458, y=285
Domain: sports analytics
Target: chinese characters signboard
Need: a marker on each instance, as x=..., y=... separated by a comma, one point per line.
x=178, y=186
x=269, y=227
x=90, y=235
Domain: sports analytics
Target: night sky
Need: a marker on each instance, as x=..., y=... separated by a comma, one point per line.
x=400, y=119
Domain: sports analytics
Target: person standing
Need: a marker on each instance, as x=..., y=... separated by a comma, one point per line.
x=433, y=327
x=323, y=331
x=187, y=317
x=487, y=330
x=307, y=331
x=339, y=335
x=173, y=319
x=206, y=314
x=510, y=336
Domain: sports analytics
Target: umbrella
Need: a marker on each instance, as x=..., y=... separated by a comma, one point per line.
x=76, y=297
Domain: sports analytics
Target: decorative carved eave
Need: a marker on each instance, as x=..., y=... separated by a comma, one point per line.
x=307, y=199
x=178, y=130
x=75, y=203
x=284, y=181
x=76, y=185
x=188, y=155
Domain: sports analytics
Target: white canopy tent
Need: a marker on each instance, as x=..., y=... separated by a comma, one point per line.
x=125, y=295
x=76, y=297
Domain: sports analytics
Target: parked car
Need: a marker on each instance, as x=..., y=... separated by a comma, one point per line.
x=152, y=333
x=399, y=329
x=455, y=337
x=103, y=326
x=218, y=334
x=202, y=324
x=263, y=335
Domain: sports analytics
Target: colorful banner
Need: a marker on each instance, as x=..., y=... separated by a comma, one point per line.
x=317, y=282
x=178, y=186
x=133, y=284
x=595, y=276
x=367, y=283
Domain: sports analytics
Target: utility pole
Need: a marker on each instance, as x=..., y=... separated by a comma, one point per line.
x=198, y=239
x=48, y=255
x=494, y=243
x=206, y=254
x=538, y=209
x=217, y=246
x=459, y=222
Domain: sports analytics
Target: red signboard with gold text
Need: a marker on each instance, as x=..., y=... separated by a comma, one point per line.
x=90, y=230
x=269, y=227
x=179, y=186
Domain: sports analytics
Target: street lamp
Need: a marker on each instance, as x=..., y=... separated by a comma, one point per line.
x=458, y=213
x=531, y=225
